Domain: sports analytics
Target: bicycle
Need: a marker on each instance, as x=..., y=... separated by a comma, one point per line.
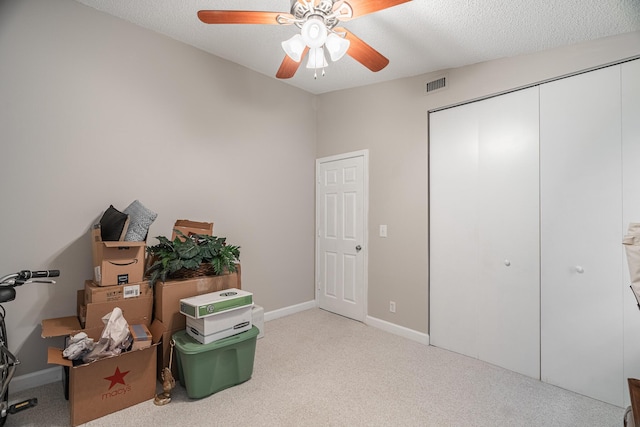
x=8, y=361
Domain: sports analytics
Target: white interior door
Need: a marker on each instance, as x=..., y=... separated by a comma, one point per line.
x=581, y=234
x=341, y=240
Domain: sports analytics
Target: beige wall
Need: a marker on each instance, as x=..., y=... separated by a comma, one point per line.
x=96, y=111
x=390, y=119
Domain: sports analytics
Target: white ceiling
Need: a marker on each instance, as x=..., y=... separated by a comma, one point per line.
x=418, y=37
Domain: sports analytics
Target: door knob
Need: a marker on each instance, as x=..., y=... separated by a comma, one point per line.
x=358, y=248
x=579, y=269
x=507, y=262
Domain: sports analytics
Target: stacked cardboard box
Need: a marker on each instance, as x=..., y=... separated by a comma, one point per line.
x=167, y=298
x=107, y=385
x=217, y=315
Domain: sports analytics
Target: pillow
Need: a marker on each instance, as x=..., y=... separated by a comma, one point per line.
x=113, y=224
x=140, y=219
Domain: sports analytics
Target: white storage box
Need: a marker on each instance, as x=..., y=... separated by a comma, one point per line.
x=222, y=325
x=215, y=302
x=258, y=319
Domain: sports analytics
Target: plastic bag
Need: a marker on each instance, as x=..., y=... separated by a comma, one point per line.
x=79, y=345
x=114, y=339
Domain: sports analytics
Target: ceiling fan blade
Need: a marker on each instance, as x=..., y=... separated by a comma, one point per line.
x=363, y=53
x=364, y=7
x=240, y=17
x=289, y=67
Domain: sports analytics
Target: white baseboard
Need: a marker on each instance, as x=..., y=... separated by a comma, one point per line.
x=292, y=309
x=35, y=379
x=420, y=337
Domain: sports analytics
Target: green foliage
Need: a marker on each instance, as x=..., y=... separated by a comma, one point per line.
x=195, y=250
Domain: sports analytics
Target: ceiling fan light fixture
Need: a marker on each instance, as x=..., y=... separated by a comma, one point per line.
x=316, y=58
x=314, y=32
x=294, y=47
x=337, y=46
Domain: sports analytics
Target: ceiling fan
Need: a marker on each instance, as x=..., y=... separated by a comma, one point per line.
x=317, y=20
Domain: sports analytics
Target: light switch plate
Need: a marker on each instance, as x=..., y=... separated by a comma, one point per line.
x=383, y=231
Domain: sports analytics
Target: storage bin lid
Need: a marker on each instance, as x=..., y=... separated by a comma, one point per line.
x=187, y=345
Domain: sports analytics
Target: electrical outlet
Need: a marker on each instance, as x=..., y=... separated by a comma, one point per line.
x=392, y=306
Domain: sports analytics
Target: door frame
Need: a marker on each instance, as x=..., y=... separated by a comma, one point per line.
x=365, y=224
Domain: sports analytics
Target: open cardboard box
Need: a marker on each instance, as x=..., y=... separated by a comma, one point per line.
x=188, y=228
x=116, y=263
x=111, y=384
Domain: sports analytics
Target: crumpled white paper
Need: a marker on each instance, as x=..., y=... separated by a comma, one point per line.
x=114, y=339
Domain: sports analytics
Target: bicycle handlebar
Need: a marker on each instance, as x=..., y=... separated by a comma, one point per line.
x=28, y=274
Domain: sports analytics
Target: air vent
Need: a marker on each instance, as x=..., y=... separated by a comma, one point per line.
x=437, y=84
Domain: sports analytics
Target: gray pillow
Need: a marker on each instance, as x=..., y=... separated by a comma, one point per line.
x=140, y=219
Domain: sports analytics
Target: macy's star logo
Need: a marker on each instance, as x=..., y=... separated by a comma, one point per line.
x=116, y=378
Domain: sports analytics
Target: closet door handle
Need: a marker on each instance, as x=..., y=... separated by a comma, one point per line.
x=579, y=269
x=507, y=262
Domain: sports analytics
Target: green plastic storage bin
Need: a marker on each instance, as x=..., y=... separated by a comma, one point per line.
x=205, y=369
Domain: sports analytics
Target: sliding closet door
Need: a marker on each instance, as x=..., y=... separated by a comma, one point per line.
x=484, y=255
x=453, y=232
x=630, y=75
x=509, y=251
x=581, y=213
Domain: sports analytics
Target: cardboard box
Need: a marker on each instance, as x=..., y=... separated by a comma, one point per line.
x=167, y=298
x=141, y=336
x=222, y=325
x=107, y=385
x=167, y=295
x=94, y=293
x=135, y=310
x=192, y=227
x=115, y=263
x=206, y=305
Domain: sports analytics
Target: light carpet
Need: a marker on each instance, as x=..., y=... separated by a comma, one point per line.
x=315, y=368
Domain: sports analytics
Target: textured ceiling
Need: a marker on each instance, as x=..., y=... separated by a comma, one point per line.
x=418, y=37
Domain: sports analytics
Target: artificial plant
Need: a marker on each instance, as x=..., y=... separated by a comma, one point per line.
x=192, y=253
